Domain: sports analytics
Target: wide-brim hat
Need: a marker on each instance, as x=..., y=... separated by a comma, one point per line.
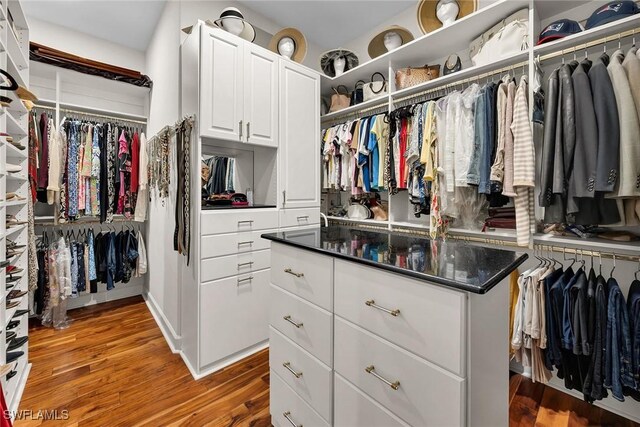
x=298, y=38
x=376, y=45
x=427, y=19
x=326, y=60
x=248, y=32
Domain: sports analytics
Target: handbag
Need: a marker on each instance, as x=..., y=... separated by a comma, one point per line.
x=375, y=89
x=505, y=38
x=411, y=76
x=357, y=96
x=451, y=65
x=358, y=211
x=339, y=101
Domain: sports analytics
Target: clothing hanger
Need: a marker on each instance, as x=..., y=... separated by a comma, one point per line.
x=614, y=267
x=564, y=256
x=582, y=262
x=637, y=271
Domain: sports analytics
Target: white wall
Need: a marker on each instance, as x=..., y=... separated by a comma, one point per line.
x=84, y=45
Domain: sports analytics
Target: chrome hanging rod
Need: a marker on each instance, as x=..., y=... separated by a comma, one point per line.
x=82, y=113
x=583, y=47
x=42, y=222
x=366, y=112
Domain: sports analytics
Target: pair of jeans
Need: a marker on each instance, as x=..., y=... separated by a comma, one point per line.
x=552, y=353
x=618, y=344
x=110, y=252
x=479, y=123
x=594, y=383
x=484, y=186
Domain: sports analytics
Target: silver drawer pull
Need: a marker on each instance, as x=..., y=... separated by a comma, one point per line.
x=287, y=415
x=372, y=370
x=305, y=217
x=288, y=319
x=288, y=366
x=245, y=264
x=246, y=279
x=250, y=222
x=290, y=271
x=372, y=303
x=250, y=242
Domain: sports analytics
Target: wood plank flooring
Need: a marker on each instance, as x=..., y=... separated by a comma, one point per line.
x=112, y=367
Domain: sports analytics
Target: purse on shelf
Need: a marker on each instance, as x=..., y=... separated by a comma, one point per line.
x=452, y=65
x=507, y=37
x=375, y=89
x=411, y=76
x=358, y=211
x=357, y=95
x=339, y=101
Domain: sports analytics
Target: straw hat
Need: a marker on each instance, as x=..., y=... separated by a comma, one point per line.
x=248, y=32
x=298, y=38
x=427, y=19
x=326, y=60
x=376, y=45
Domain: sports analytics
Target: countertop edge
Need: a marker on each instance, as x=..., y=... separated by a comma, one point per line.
x=489, y=284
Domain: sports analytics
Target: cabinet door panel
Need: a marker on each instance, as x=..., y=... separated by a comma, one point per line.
x=260, y=96
x=221, y=96
x=299, y=135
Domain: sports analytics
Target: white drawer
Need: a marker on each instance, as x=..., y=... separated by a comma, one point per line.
x=283, y=400
x=235, y=220
x=353, y=408
x=426, y=394
x=315, y=284
x=299, y=217
x=432, y=320
x=233, y=315
x=231, y=265
x=234, y=243
x=306, y=324
x=310, y=378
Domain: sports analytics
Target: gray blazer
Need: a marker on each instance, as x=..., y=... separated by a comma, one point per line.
x=604, y=102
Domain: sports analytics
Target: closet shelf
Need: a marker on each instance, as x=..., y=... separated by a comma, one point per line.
x=10, y=314
x=14, y=177
x=432, y=46
x=14, y=153
x=578, y=40
x=16, y=203
x=380, y=101
x=16, y=107
x=357, y=221
x=16, y=55
x=14, y=69
x=14, y=128
x=14, y=230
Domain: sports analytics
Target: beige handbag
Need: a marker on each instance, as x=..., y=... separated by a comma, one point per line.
x=340, y=101
x=375, y=89
x=407, y=77
x=507, y=37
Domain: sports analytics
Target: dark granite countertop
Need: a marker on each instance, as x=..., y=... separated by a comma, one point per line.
x=449, y=263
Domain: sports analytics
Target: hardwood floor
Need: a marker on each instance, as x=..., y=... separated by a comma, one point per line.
x=112, y=367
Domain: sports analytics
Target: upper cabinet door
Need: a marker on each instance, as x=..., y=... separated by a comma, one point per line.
x=299, y=135
x=221, y=96
x=260, y=96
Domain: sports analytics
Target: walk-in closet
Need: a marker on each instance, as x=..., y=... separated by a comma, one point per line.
x=305, y=213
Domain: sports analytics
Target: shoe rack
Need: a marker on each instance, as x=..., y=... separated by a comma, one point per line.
x=14, y=54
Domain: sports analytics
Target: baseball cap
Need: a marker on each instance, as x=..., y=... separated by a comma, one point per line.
x=559, y=29
x=611, y=12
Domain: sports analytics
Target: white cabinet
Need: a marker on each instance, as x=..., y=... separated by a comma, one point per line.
x=239, y=90
x=260, y=96
x=299, y=136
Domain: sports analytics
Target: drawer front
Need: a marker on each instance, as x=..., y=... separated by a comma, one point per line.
x=425, y=395
x=310, y=378
x=234, y=243
x=307, y=325
x=353, y=408
x=234, y=315
x=316, y=283
x=431, y=322
x=283, y=400
x=231, y=265
x=299, y=217
x=237, y=220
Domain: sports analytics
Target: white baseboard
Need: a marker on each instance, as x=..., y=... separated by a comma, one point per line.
x=629, y=409
x=173, y=339
x=216, y=366
x=122, y=292
x=15, y=402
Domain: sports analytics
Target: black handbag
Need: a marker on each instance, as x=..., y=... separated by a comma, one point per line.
x=452, y=65
x=357, y=95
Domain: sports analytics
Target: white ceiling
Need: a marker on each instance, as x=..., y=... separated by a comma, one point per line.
x=330, y=23
x=129, y=23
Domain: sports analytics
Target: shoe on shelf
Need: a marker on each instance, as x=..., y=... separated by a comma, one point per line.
x=12, y=279
x=13, y=168
x=4, y=264
x=5, y=369
x=12, y=221
x=12, y=269
x=12, y=304
x=25, y=94
x=10, y=335
x=11, y=374
x=13, y=252
x=13, y=245
x=14, y=197
x=5, y=101
x=16, y=144
x=17, y=343
x=20, y=312
x=14, y=355
x=13, y=324
x=15, y=294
